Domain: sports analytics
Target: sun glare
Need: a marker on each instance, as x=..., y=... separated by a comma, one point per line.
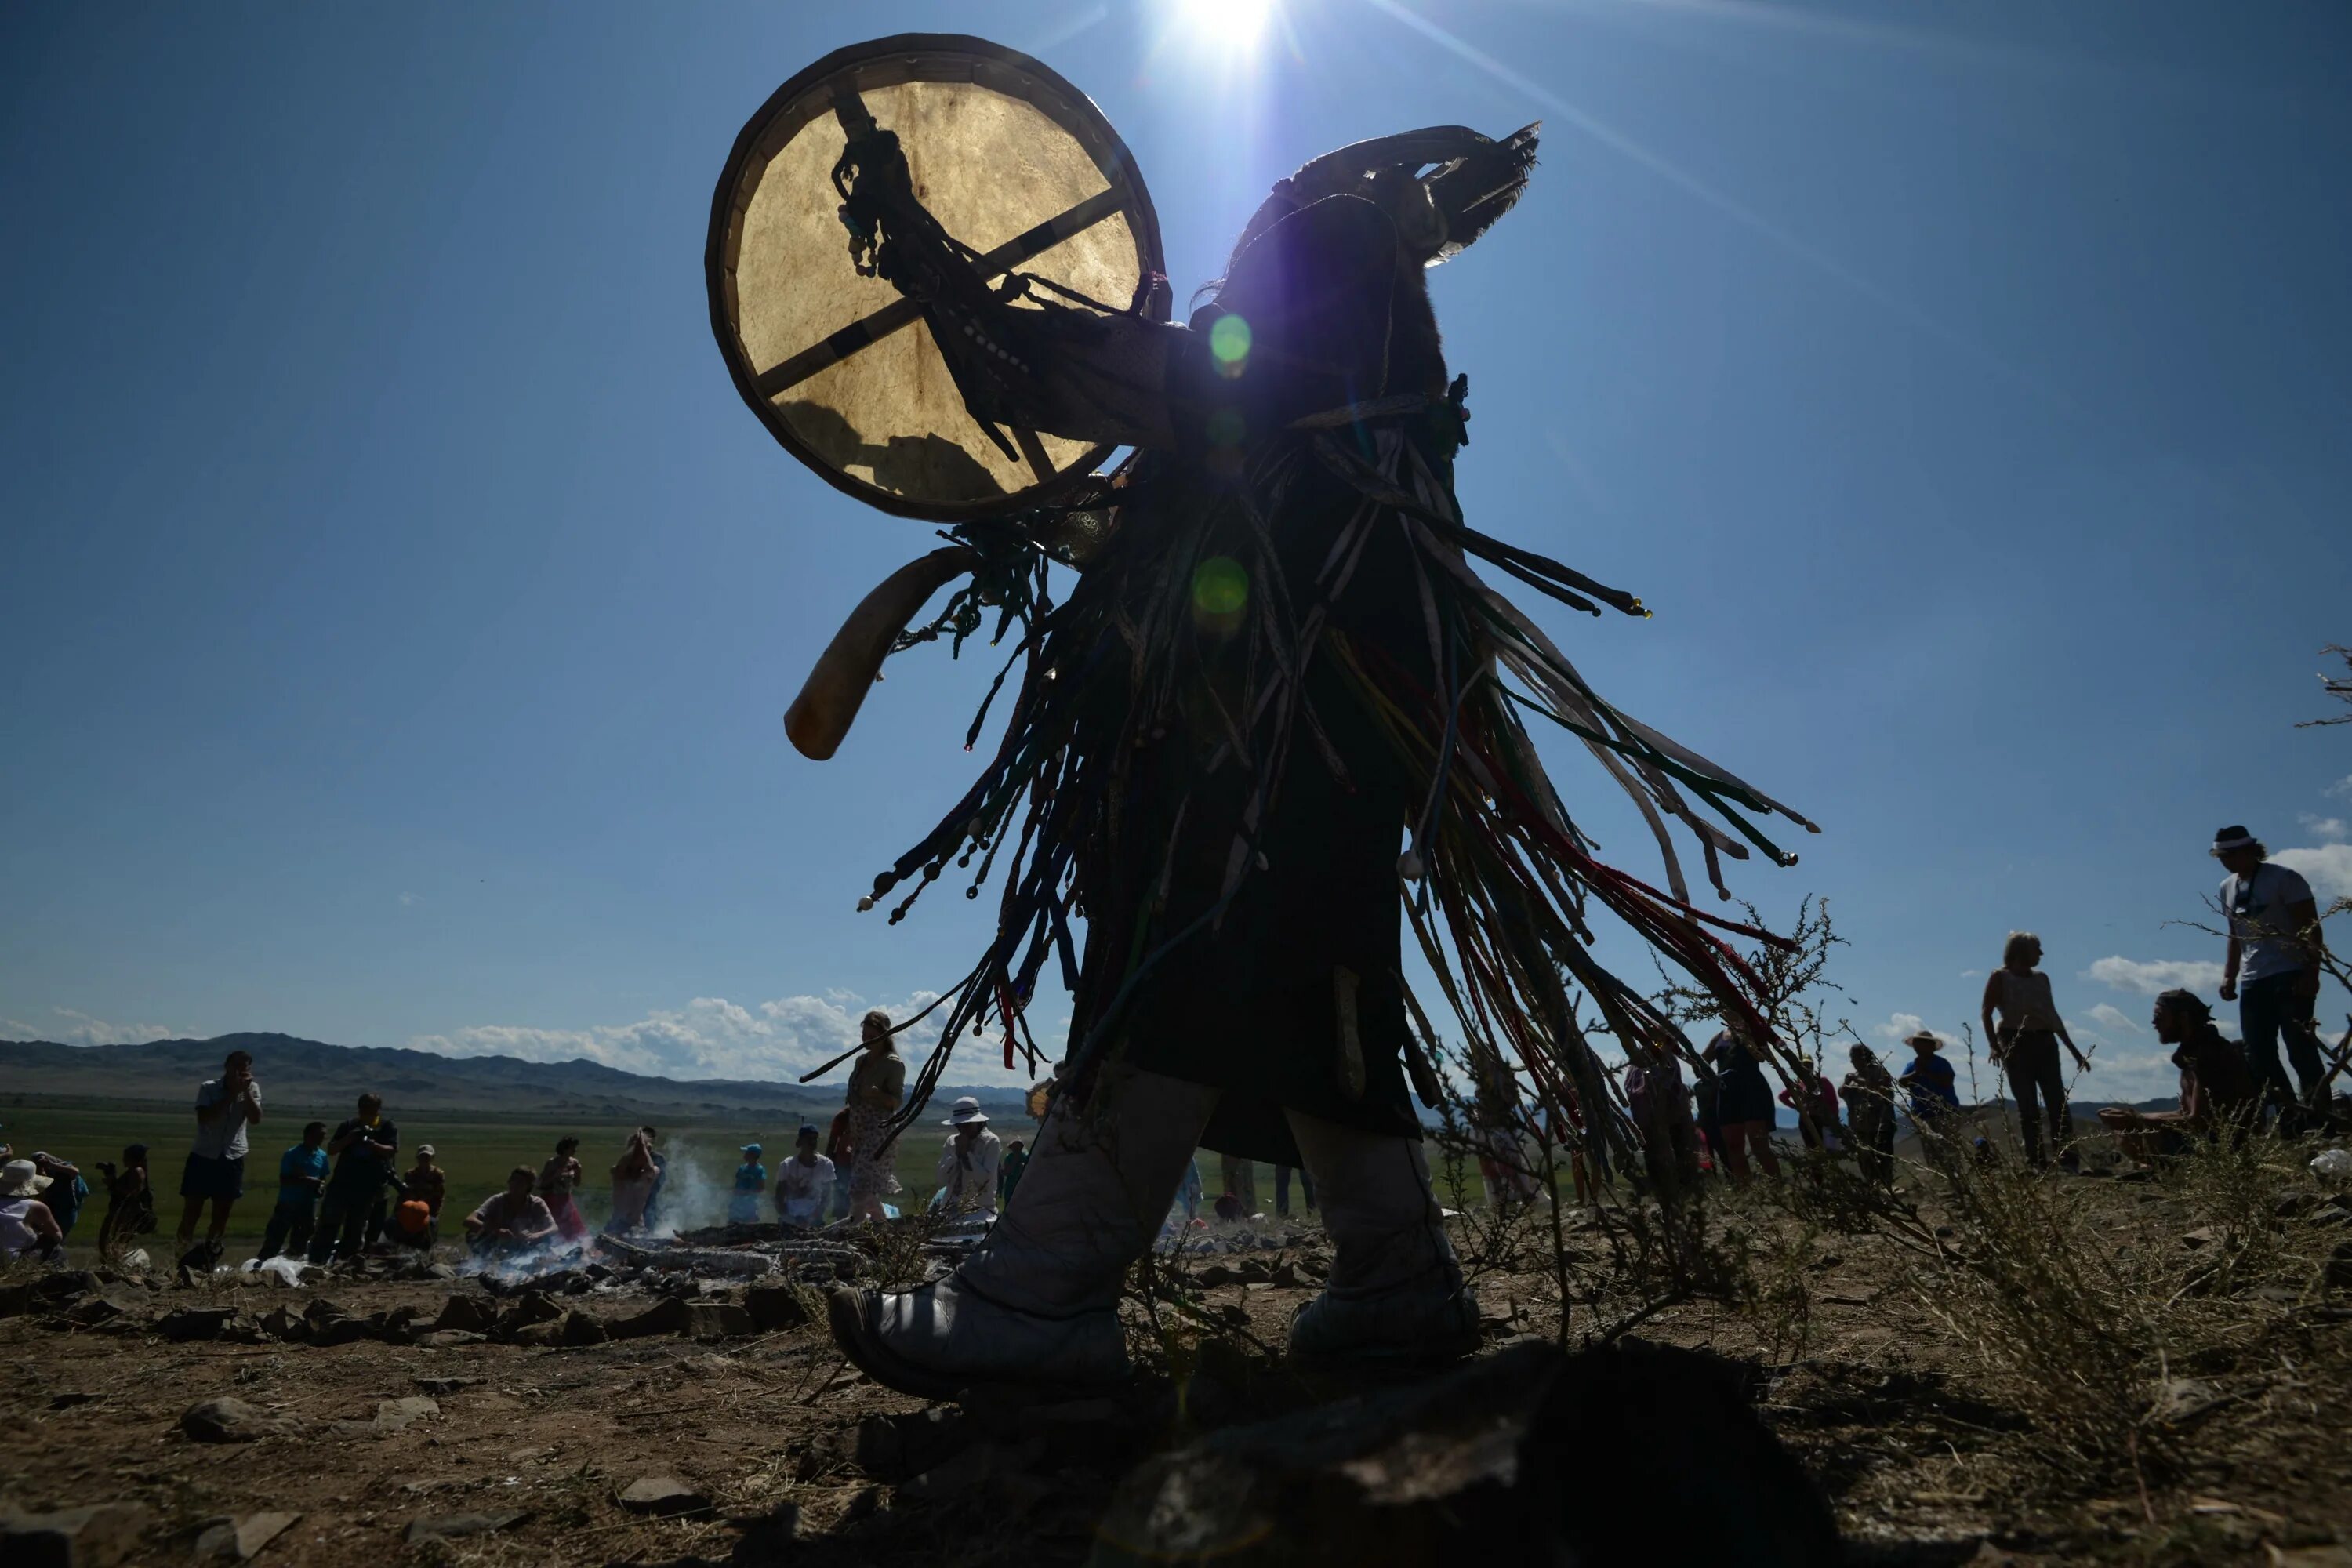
x=1233, y=26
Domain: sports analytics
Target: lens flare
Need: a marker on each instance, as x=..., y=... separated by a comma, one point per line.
x=1229, y=345
x=1235, y=25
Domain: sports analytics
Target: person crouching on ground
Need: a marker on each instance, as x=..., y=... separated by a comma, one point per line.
x=750, y=1181
x=2218, y=1089
x=130, y=1202
x=301, y=1172
x=803, y=1183
x=969, y=1161
x=2025, y=1045
x=416, y=1222
x=28, y=1228
x=513, y=1220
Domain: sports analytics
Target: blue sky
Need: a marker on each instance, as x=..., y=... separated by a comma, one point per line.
x=398, y=604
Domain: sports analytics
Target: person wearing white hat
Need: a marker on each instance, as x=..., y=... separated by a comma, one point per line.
x=969, y=1161
x=26, y=1225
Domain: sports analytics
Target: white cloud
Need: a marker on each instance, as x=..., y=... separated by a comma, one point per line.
x=2115, y=1019
x=80, y=1029
x=2328, y=868
x=2330, y=828
x=1972, y=973
x=2149, y=979
x=713, y=1038
x=1900, y=1027
x=410, y=901
x=2342, y=788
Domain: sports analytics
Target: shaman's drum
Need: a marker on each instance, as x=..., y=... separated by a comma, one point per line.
x=1014, y=162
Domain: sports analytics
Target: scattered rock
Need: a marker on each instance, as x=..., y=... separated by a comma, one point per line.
x=775, y=1304
x=668, y=1316
x=230, y=1421
x=238, y=1540
x=391, y=1414
x=893, y=1448
x=102, y=1309
x=96, y=1537
x=279, y=1323
x=68, y=1400
x=536, y=1336
x=448, y=1339
x=15, y=1301
x=2184, y=1399
x=1215, y=1274
x=1003, y=1469
x=194, y=1322
x=468, y=1314
x=2290, y=1203
x=577, y=1329
x=719, y=1321
x=662, y=1495
x=453, y=1526
x=526, y=1311
x=443, y=1385
x=2203, y=1236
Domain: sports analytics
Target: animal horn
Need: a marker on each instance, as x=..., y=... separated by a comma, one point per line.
x=820, y=715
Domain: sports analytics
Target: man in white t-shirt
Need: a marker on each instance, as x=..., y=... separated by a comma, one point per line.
x=2272, y=964
x=970, y=1162
x=214, y=1173
x=803, y=1183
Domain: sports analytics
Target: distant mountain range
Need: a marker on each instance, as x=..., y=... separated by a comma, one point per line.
x=314, y=1074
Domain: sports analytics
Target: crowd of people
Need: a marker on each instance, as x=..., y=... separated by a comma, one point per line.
x=2272, y=966
x=345, y=1191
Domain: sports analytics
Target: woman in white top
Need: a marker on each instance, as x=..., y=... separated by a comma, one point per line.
x=2025, y=1043
x=26, y=1225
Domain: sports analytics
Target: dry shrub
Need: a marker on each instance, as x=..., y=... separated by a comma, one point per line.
x=2085, y=1323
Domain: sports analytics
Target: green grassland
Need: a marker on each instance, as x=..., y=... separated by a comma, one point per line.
x=476, y=1150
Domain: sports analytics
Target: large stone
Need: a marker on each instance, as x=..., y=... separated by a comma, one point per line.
x=468, y=1314
x=456, y=1526
x=719, y=1321
x=194, y=1322
x=448, y=1339
x=668, y=1316
x=577, y=1329
x=96, y=1537
x=531, y=1307
x=15, y=1301
x=238, y=1540
x=228, y=1420
x=1629, y=1454
x=662, y=1495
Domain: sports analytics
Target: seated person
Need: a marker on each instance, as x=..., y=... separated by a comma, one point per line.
x=803, y=1183
x=511, y=1220
x=2217, y=1088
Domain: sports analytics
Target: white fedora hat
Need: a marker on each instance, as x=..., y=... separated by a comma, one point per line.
x=966, y=1113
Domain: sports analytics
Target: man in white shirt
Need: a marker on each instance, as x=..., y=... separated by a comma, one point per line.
x=2272, y=962
x=969, y=1161
x=214, y=1173
x=803, y=1183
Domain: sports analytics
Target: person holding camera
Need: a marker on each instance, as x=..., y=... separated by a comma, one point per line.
x=214, y=1173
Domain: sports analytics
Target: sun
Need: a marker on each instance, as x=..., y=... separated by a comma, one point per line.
x=1232, y=26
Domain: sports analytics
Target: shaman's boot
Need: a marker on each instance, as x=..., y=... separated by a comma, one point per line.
x=1395, y=1294
x=1037, y=1302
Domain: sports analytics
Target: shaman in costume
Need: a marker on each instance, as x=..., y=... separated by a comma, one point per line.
x=1277, y=718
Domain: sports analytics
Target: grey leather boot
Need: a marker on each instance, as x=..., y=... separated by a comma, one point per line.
x=1037, y=1304
x=1395, y=1294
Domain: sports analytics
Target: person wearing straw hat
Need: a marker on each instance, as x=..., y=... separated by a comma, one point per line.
x=2271, y=965
x=969, y=1161
x=26, y=1225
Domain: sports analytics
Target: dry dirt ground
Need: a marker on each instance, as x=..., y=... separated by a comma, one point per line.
x=1914, y=1381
